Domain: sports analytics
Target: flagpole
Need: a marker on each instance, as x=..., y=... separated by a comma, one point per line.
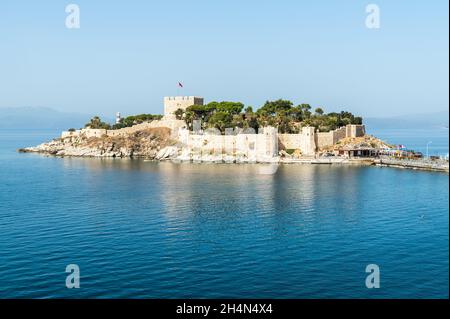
x=179, y=87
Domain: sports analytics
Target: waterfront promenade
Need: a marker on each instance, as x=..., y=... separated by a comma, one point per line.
x=423, y=164
x=420, y=164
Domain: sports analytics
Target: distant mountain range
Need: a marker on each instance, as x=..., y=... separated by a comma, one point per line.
x=40, y=118
x=47, y=118
x=411, y=121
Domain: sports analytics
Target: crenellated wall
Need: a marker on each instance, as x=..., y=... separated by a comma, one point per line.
x=324, y=139
x=240, y=146
x=174, y=125
x=210, y=146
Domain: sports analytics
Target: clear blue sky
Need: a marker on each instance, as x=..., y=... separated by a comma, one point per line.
x=127, y=55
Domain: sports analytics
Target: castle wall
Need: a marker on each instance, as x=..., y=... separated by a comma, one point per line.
x=262, y=147
x=339, y=134
x=93, y=132
x=324, y=139
x=289, y=141
x=174, y=125
x=305, y=141
x=67, y=134
x=129, y=130
x=87, y=132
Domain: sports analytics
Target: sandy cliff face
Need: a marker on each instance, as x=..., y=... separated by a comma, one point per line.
x=357, y=142
x=149, y=143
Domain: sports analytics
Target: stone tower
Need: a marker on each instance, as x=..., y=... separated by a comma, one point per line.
x=173, y=103
x=308, y=141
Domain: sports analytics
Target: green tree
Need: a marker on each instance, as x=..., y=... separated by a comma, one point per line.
x=220, y=120
x=306, y=110
x=97, y=123
x=179, y=114
x=357, y=120
x=135, y=119
x=297, y=113
x=230, y=107
x=272, y=107
x=250, y=119
x=319, y=111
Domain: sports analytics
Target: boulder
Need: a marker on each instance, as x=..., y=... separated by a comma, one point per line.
x=167, y=152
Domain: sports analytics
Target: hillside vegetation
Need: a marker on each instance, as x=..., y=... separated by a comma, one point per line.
x=280, y=113
x=221, y=115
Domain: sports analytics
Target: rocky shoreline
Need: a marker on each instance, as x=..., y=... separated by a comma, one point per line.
x=158, y=144
x=152, y=143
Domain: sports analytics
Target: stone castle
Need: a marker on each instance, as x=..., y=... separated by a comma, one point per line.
x=243, y=145
x=263, y=145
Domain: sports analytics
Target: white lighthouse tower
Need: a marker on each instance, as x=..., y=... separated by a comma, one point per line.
x=118, y=118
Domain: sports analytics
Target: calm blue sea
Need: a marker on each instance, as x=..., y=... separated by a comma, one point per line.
x=161, y=230
x=417, y=139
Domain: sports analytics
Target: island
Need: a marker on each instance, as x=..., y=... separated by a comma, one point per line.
x=229, y=132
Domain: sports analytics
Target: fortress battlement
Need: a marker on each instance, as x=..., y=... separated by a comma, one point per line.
x=182, y=98
x=173, y=103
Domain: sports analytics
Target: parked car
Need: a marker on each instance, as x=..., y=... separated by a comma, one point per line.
x=328, y=155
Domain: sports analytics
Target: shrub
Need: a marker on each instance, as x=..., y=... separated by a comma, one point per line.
x=290, y=151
